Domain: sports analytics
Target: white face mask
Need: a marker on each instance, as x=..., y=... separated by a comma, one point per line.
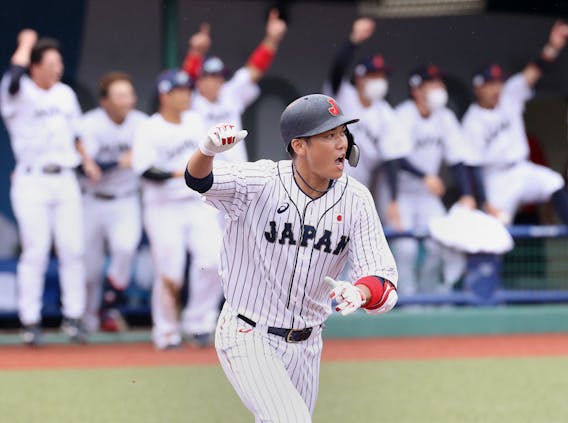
x=436, y=99
x=376, y=89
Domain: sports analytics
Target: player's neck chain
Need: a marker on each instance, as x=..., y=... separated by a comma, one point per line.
x=330, y=186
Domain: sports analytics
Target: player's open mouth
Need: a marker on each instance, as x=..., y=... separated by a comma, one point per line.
x=340, y=161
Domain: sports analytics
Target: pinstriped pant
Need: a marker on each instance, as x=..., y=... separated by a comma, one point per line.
x=276, y=380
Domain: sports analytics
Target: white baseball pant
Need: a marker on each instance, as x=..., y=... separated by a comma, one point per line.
x=416, y=209
x=522, y=183
x=117, y=225
x=277, y=381
x=174, y=228
x=48, y=207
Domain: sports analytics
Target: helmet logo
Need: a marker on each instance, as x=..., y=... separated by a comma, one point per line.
x=334, y=109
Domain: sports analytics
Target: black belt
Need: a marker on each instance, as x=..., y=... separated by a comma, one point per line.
x=290, y=335
x=50, y=169
x=104, y=196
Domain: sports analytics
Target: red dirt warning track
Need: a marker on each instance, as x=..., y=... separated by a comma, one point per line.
x=144, y=354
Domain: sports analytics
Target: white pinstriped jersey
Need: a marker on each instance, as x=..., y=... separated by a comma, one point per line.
x=42, y=123
x=235, y=96
x=497, y=136
x=280, y=244
x=106, y=141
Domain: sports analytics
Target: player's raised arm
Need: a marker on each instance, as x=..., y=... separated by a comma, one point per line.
x=220, y=138
x=20, y=60
x=362, y=30
x=198, y=46
x=556, y=42
x=26, y=41
x=262, y=57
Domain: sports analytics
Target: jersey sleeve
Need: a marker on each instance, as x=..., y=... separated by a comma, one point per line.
x=86, y=132
x=7, y=101
x=369, y=253
x=236, y=184
x=472, y=130
x=144, y=154
x=454, y=149
x=241, y=90
x=75, y=112
x=516, y=92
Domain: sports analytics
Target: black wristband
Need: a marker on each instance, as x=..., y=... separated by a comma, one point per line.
x=542, y=64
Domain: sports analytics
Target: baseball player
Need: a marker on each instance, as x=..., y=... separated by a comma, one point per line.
x=176, y=219
x=218, y=99
x=292, y=226
x=378, y=133
x=497, y=141
x=111, y=206
x=435, y=136
x=41, y=114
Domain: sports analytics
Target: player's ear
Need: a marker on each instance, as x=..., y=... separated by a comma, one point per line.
x=299, y=146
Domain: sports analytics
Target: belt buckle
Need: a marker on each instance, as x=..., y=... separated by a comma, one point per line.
x=305, y=332
x=51, y=169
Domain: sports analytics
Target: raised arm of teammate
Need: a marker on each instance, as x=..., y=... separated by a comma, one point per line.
x=362, y=30
x=198, y=46
x=262, y=57
x=556, y=42
x=21, y=58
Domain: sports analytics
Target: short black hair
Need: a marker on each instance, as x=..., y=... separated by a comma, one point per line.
x=41, y=46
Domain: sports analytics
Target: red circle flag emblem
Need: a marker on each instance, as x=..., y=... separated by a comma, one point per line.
x=334, y=109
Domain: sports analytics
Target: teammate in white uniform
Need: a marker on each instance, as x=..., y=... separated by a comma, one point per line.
x=497, y=141
x=435, y=136
x=112, y=205
x=378, y=133
x=291, y=224
x=218, y=99
x=176, y=219
x=41, y=115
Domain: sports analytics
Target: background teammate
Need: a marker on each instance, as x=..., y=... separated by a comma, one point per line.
x=41, y=115
x=111, y=205
x=435, y=137
x=378, y=133
x=221, y=99
x=176, y=219
x=291, y=224
x=497, y=141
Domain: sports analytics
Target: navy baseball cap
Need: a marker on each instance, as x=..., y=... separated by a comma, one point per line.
x=490, y=73
x=425, y=73
x=371, y=64
x=213, y=65
x=172, y=78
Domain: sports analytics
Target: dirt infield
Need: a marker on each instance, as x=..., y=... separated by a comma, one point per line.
x=143, y=354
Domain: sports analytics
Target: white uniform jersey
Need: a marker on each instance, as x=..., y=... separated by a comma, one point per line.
x=105, y=141
x=235, y=96
x=280, y=243
x=166, y=146
x=497, y=137
x=378, y=133
x=434, y=140
x=42, y=123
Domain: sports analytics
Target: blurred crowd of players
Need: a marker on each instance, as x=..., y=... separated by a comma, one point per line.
x=91, y=184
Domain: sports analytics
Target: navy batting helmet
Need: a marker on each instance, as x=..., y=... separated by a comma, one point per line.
x=313, y=114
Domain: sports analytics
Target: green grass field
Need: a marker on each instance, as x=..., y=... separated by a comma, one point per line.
x=432, y=391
